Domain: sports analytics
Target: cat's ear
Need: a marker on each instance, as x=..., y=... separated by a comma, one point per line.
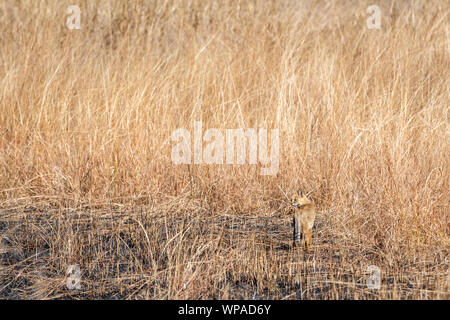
x=299, y=192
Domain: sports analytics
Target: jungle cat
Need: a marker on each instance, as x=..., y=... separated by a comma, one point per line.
x=305, y=213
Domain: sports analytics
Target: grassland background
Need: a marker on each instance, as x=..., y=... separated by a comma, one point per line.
x=86, y=118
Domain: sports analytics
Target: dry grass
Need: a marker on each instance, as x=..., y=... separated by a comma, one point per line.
x=85, y=170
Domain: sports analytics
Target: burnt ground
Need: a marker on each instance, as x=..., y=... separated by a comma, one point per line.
x=145, y=254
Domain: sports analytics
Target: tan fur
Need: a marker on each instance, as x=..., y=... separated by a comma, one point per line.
x=304, y=216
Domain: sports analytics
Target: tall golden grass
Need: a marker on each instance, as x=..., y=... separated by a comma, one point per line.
x=86, y=118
